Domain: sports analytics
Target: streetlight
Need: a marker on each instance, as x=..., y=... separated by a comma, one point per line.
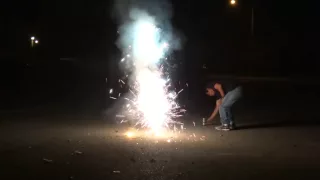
x=233, y=3
x=32, y=41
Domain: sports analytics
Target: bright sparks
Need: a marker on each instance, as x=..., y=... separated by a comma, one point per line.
x=153, y=105
x=152, y=100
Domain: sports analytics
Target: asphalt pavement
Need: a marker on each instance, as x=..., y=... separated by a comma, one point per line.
x=278, y=138
x=74, y=147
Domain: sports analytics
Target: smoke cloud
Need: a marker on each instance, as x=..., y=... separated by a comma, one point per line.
x=157, y=12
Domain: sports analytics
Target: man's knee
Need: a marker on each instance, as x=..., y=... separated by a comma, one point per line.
x=229, y=102
x=223, y=107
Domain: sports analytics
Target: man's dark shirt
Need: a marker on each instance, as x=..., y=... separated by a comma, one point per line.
x=227, y=86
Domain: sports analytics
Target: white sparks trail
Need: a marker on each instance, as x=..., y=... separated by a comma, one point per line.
x=179, y=92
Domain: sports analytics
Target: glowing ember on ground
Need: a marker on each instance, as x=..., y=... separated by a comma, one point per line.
x=164, y=137
x=130, y=134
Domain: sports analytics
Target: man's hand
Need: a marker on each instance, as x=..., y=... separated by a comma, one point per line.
x=219, y=102
x=215, y=111
x=209, y=119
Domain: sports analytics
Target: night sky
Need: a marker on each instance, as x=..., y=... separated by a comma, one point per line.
x=285, y=40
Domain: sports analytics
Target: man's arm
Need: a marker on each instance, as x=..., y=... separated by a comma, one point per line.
x=218, y=87
x=216, y=110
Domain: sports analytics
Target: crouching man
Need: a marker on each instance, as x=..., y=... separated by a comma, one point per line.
x=226, y=93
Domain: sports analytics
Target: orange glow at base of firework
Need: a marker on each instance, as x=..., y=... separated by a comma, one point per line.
x=135, y=133
x=130, y=134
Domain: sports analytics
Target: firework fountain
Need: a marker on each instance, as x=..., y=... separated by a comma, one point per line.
x=153, y=104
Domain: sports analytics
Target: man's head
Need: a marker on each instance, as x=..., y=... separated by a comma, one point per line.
x=209, y=91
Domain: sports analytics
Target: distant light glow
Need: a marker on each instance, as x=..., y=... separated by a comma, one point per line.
x=32, y=38
x=233, y=2
x=36, y=41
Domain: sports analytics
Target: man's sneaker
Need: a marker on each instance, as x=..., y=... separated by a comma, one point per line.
x=224, y=127
x=232, y=127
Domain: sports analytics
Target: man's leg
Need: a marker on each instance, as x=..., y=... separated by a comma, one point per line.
x=230, y=98
x=224, y=110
